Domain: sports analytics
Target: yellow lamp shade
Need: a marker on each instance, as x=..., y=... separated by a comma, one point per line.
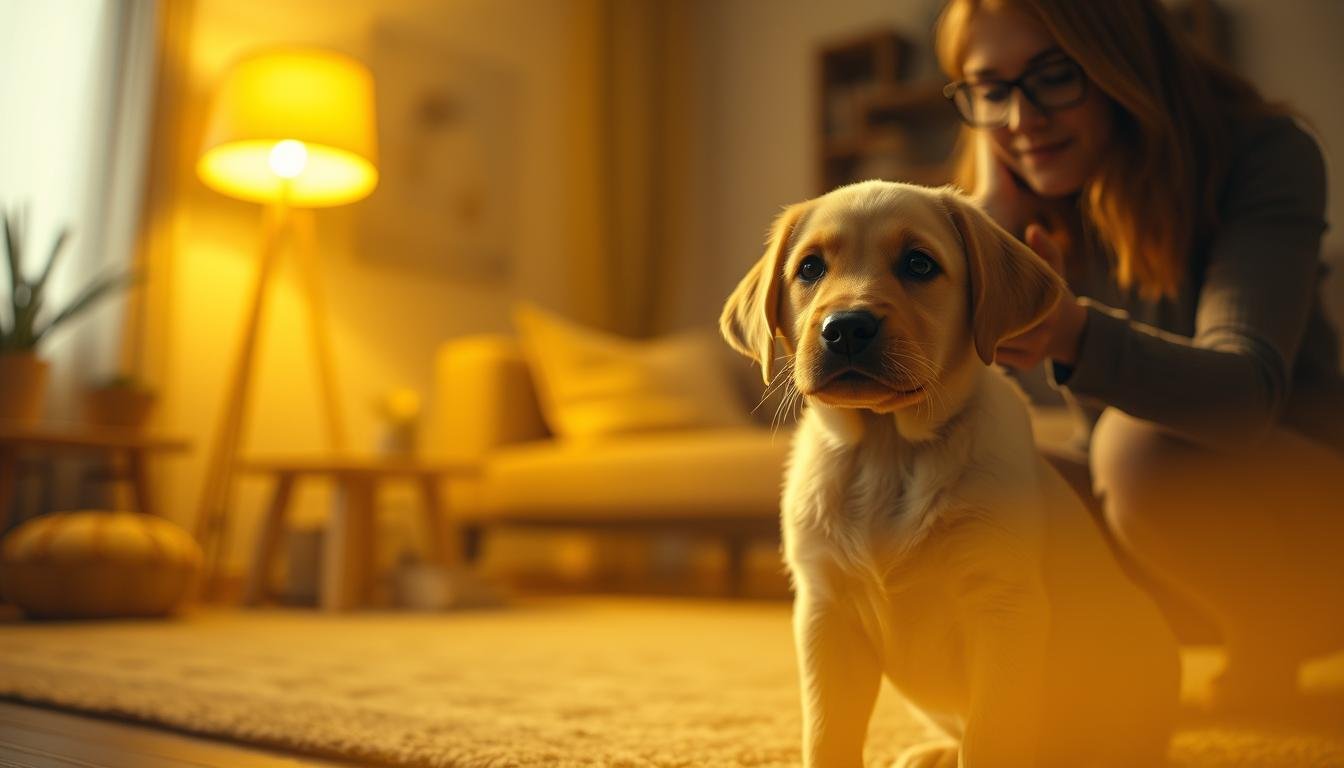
x=292, y=123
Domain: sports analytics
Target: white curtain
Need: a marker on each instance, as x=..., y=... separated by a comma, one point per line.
x=76, y=93
x=631, y=161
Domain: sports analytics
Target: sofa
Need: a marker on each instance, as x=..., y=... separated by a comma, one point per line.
x=566, y=426
x=720, y=481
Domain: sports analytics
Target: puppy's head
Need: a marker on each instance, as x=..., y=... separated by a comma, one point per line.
x=882, y=293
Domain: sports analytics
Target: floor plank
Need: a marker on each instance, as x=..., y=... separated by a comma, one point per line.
x=36, y=737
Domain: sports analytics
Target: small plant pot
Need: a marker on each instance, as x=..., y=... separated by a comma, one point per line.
x=23, y=387
x=119, y=407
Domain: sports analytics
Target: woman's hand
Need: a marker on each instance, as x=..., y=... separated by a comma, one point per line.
x=999, y=193
x=1057, y=335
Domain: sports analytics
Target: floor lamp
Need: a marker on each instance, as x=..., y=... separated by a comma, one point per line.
x=292, y=129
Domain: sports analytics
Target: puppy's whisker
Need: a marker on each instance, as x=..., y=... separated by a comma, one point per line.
x=787, y=408
x=791, y=405
x=782, y=378
x=911, y=348
x=928, y=381
x=917, y=344
x=933, y=385
x=781, y=412
x=929, y=386
x=781, y=407
x=922, y=364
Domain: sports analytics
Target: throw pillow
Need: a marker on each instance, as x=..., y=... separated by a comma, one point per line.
x=593, y=384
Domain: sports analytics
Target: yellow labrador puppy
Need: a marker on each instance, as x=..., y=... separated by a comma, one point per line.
x=927, y=540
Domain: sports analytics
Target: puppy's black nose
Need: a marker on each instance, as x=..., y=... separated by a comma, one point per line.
x=848, y=333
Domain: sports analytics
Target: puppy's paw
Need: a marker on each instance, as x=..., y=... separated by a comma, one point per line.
x=933, y=754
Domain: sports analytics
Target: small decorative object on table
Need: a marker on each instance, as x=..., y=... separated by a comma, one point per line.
x=400, y=413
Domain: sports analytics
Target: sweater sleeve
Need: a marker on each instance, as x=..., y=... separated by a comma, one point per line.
x=1226, y=386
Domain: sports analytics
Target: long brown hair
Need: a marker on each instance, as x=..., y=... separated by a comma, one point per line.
x=1154, y=199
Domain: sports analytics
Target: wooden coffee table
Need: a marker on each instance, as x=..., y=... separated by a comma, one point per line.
x=348, y=549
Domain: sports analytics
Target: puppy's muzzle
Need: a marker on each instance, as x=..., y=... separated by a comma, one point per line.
x=848, y=333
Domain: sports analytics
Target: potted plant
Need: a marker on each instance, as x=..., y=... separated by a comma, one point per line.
x=23, y=375
x=121, y=402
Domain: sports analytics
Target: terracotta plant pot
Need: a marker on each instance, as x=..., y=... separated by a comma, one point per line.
x=23, y=387
x=119, y=407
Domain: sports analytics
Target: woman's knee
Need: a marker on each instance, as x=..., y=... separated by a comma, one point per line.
x=1141, y=473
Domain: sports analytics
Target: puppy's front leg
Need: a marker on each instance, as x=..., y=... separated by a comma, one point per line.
x=840, y=675
x=1008, y=628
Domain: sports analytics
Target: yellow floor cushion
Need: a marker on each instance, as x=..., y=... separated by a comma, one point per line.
x=93, y=564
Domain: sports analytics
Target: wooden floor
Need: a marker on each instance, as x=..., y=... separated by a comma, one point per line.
x=34, y=737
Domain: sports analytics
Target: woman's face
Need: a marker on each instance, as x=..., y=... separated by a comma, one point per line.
x=1054, y=151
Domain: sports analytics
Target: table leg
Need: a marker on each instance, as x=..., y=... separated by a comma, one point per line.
x=136, y=466
x=347, y=562
x=434, y=511
x=9, y=473
x=268, y=541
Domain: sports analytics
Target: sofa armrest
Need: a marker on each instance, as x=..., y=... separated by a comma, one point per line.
x=483, y=398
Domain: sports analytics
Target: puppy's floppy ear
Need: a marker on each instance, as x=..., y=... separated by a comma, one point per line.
x=1011, y=287
x=750, y=318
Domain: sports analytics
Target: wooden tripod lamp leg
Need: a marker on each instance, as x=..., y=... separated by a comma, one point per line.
x=213, y=509
x=318, y=326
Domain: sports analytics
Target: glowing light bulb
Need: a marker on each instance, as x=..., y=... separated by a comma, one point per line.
x=288, y=158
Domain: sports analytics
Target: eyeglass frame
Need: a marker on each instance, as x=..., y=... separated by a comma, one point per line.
x=951, y=90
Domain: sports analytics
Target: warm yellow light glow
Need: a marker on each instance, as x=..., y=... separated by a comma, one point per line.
x=292, y=121
x=288, y=158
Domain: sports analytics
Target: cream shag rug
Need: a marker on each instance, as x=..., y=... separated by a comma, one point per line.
x=558, y=682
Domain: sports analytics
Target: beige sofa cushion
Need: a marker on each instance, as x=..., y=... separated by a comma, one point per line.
x=594, y=385
x=483, y=398
x=712, y=473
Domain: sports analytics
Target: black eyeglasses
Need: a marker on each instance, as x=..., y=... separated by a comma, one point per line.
x=1052, y=85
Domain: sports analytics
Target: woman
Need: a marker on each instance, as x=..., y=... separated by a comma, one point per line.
x=1186, y=214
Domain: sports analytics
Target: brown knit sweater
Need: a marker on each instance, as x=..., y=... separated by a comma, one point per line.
x=1245, y=345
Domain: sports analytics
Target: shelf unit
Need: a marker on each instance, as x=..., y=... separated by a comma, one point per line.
x=873, y=123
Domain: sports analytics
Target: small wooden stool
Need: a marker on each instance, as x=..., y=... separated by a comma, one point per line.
x=348, y=549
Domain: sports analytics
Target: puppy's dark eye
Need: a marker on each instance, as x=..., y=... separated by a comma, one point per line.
x=811, y=269
x=918, y=265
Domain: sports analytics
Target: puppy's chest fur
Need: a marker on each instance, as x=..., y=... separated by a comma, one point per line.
x=869, y=516
x=862, y=496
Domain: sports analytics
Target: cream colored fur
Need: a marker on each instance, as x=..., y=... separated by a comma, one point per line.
x=927, y=540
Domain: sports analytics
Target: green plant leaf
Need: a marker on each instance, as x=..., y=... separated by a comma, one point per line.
x=12, y=249
x=25, y=317
x=90, y=295
x=56, y=247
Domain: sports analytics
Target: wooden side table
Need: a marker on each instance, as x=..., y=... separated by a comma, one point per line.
x=348, y=549
x=132, y=448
